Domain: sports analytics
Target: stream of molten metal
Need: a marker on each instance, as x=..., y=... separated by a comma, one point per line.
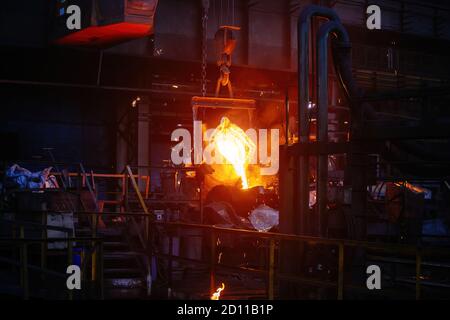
x=216, y=295
x=235, y=146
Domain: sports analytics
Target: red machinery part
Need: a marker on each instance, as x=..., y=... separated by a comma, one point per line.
x=105, y=23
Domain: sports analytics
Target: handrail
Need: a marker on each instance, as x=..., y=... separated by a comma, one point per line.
x=136, y=189
x=24, y=266
x=311, y=239
x=264, y=235
x=144, y=207
x=91, y=191
x=272, y=273
x=48, y=240
x=341, y=243
x=272, y=237
x=36, y=225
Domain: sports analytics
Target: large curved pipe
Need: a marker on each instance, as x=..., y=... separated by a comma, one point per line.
x=341, y=34
x=343, y=65
x=304, y=23
x=335, y=28
x=303, y=29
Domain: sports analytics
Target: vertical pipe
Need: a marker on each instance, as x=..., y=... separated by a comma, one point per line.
x=24, y=271
x=322, y=130
x=341, y=272
x=21, y=236
x=271, y=287
x=286, y=108
x=123, y=187
x=147, y=231
x=83, y=265
x=69, y=262
x=201, y=202
x=169, y=269
x=303, y=30
x=212, y=273
x=44, y=245
x=322, y=121
x=100, y=269
x=94, y=252
x=126, y=192
x=149, y=256
x=13, y=248
x=147, y=186
x=79, y=182
x=303, y=124
x=24, y=265
x=418, y=273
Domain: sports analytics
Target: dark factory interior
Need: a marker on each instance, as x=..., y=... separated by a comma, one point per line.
x=225, y=150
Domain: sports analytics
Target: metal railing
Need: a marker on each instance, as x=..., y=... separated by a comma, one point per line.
x=25, y=267
x=270, y=271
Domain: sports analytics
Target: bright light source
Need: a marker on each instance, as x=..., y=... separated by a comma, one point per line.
x=216, y=295
x=236, y=147
x=135, y=101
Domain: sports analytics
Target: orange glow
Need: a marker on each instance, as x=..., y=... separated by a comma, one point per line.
x=235, y=146
x=216, y=295
x=411, y=187
x=190, y=174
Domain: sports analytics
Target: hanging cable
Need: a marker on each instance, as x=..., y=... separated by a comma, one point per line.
x=221, y=12
x=214, y=10
x=204, y=45
x=232, y=10
x=228, y=12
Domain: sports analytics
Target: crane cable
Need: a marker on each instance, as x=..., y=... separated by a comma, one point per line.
x=204, y=45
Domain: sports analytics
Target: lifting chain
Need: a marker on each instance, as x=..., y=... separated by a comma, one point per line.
x=226, y=44
x=205, y=4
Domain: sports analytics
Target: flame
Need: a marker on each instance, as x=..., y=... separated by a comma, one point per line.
x=216, y=295
x=235, y=146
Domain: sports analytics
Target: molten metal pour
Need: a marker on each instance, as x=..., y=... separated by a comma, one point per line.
x=235, y=146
